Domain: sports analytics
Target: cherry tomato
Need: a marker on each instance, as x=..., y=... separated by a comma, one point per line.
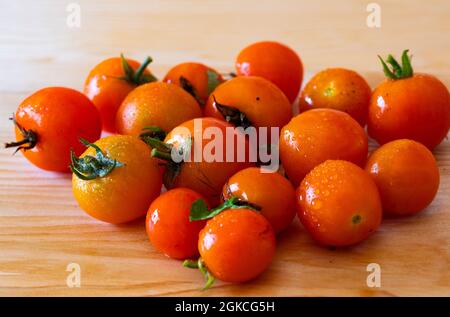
x=116, y=179
x=409, y=106
x=406, y=174
x=156, y=104
x=273, y=193
x=168, y=226
x=249, y=101
x=339, y=89
x=338, y=203
x=110, y=82
x=317, y=135
x=197, y=79
x=50, y=122
x=237, y=245
x=207, y=171
x=275, y=62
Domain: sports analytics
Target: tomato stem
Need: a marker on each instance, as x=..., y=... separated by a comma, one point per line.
x=232, y=115
x=29, y=137
x=152, y=132
x=92, y=167
x=200, y=265
x=397, y=71
x=200, y=211
x=139, y=77
x=161, y=155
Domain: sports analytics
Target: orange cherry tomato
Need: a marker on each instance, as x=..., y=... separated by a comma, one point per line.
x=272, y=192
x=197, y=79
x=409, y=106
x=237, y=245
x=275, y=62
x=339, y=89
x=108, y=84
x=116, y=179
x=168, y=226
x=338, y=203
x=249, y=101
x=202, y=172
x=406, y=174
x=156, y=104
x=317, y=135
x=50, y=122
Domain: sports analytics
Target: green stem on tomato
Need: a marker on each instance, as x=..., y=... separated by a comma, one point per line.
x=29, y=137
x=200, y=265
x=91, y=167
x=200, y=211
x=393, y=70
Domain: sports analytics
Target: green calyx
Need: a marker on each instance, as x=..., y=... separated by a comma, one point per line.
x=200, y=210
x=396, y=71
x=137, y=77
x=92, y=167
x=153, y=132
x=200, y=265
x=165, y=152
x=213, y=80
x=28, y=142
x=232, y=115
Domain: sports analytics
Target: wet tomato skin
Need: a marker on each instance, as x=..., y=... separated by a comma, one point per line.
x=406, y=175
x=196, y=74
x=338, y=203
x=207, y=175
x=107, y=91
x=317, y=135
x=416, y=108
x=156, y=104
x=262, y=102
x=59, y=117
x=237, y=245
x=124, y=194
x=168, y=226
x=340, y=89
x=275, y=62
x=270, y=191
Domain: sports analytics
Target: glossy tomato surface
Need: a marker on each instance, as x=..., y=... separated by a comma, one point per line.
x=270, y=191
x=125, y=193
x=275, y=62
x=339, y=204
x=317, y=135
x=168, y=226
x=156, y=104
x=58, y=117
x=406, y=174
x=416, y=108
x=237, y=245
x=340, y=89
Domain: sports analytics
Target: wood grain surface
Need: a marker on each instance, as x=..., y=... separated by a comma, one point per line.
x=42, y=229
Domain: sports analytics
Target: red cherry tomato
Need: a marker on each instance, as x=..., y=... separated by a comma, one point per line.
x=168, y=226
x=275, y=62
x=197, y=79
x=109, y=83
x=406, y=174
x=339, y=204
x=273, y=193
x=409, y=106
x=50, y=123
x=237, y=245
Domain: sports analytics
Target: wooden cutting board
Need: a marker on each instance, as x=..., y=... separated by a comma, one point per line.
x=42, y=230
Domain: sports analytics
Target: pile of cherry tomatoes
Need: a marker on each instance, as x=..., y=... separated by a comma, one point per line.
x=222, y=217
